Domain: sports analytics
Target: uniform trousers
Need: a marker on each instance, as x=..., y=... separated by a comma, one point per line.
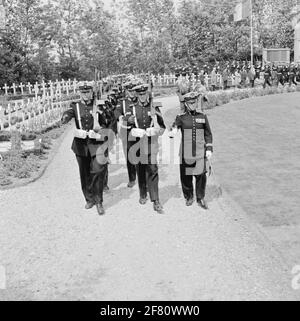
x=187, y=182
x=147, y=172
x=280, y=80
x=292, y=80
x=92, y=177
x=131, y=168
x=267, y=82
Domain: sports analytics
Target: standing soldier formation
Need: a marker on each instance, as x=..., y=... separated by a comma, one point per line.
x=140, y=126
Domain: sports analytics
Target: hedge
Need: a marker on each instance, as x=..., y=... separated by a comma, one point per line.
x=222, y=97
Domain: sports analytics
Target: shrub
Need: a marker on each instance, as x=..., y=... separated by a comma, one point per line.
x=235, y=95
x=4, y=136
x=257, y=92
x=291, y=89
x=212, y=100
x=223, y=98
x=244, y=94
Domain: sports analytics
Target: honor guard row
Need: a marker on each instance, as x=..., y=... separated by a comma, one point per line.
x=130, y=111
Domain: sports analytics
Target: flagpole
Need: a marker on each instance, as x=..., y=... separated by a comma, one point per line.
x=251, y=27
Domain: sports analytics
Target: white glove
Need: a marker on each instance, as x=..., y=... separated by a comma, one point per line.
x=137, y=132
x=152, y=131
x=93, y=135
x=208, y=154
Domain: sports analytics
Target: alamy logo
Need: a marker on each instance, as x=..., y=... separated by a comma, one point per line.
x=2, y=278
x=296, y=279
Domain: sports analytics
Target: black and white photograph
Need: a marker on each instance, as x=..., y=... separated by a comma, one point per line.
x=149, y=152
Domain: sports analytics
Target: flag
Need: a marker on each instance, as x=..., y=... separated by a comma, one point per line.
x=242, y=10
x=2, y=15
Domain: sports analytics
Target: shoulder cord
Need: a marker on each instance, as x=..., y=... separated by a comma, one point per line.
x=124, y=112
x=124, y=107
x=78, y=115
x=135, y=120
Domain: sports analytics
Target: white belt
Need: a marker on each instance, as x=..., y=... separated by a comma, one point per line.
x=83, y=134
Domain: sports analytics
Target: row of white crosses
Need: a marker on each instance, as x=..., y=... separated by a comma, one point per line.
x=167, y=80
x=42, y=89
x=39, y=111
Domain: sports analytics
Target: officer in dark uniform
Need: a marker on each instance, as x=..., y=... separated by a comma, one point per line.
x=267, y=76
x=147, y=125
x=196, y=147
x=279, y=72
x=109, y=109
x=292, y=75
x=297, y=72
x=285, y=73
x=124, y=108
x=257, y=70
x=91, y=144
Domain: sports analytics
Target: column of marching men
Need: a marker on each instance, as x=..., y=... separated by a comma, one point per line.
x=240, y=74
x=126, y=108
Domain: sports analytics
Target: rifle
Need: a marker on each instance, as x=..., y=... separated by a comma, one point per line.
x=96, y=111
x=153, y=112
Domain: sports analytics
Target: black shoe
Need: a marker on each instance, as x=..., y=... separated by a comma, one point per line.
x=106, y=189
x=100, y=209
x=89, y=205
x=202, y=203
x=189, y=202
x=131, y=184
x=158, y=207
x=143, y=201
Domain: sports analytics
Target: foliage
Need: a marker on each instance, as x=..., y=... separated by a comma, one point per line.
x=65, y=39
x=19, y=164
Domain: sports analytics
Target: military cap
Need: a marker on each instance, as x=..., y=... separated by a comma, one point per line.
x=141, y=88
x=128, y=85
x=112, y=93
x=191, y=96
x=85, y=86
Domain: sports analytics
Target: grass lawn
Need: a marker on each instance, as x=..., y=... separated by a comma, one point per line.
x=257, y=160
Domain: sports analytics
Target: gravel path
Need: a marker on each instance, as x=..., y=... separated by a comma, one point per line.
x=53, y=249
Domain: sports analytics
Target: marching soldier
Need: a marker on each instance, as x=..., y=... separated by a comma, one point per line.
x=267, y=76
x=123, y=109
x=285, y=73
x=196, y=147
x=280, y=76
x=292, y=75
x=147, y=125
x=109, y=109
x=93, y=138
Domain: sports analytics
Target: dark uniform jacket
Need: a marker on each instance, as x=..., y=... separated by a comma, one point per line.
x=196, y=135
x=124, y=108
x=82, y=147
x=144, y=121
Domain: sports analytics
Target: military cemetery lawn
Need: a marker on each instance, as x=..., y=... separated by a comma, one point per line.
x=257, y=160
